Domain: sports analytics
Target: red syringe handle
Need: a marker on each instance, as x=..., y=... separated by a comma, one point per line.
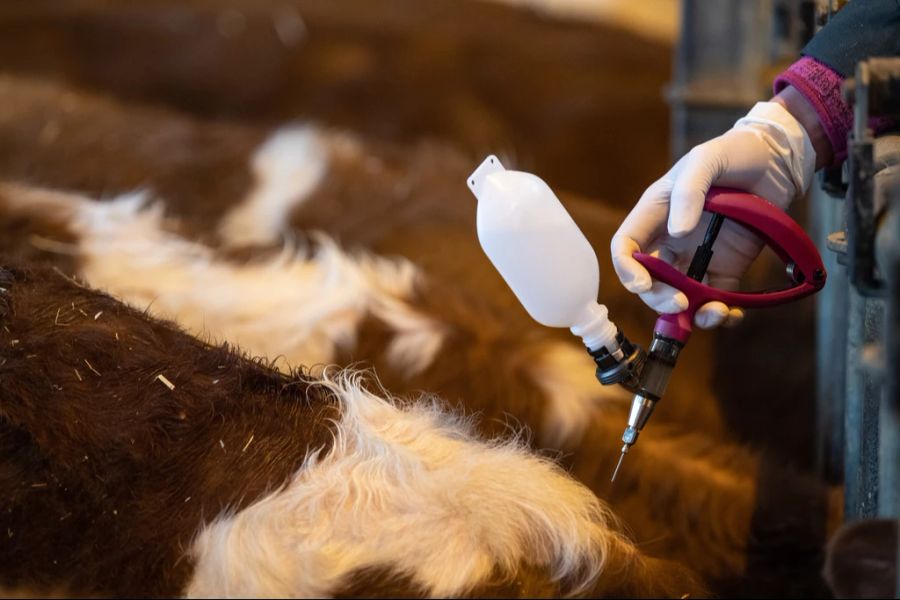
x=781, y=233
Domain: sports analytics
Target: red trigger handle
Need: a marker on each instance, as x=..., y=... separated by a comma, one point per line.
x=781, y=233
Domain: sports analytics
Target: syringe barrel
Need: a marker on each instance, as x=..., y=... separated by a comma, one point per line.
x=659, y=366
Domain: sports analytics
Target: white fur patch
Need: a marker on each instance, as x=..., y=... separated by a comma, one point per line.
x=287, y=168
x=565, y=373
x=408, y=488
x=299, y=307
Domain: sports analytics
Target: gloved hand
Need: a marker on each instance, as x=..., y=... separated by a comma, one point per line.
x=767, y=153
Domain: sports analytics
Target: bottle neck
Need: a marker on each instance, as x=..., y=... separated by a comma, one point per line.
x=596, y=330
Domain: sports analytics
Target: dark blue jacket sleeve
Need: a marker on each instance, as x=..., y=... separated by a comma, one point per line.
x=861, y=29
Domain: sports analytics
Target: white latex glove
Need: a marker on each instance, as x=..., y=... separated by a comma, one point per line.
x=767, y=153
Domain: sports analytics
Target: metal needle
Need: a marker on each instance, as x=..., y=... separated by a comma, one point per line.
x=619, y=464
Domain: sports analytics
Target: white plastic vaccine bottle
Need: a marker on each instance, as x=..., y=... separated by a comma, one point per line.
x=541, y=253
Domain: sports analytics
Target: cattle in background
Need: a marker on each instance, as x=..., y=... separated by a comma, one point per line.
x=139, y=461
x=581, y=102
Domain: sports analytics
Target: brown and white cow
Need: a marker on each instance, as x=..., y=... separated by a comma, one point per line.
x=137, y=460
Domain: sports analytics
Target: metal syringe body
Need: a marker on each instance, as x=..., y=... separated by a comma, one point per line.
x=655, y=377
x=663, y=354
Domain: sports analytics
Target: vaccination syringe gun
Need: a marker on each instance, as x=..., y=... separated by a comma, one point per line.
x=551, y=268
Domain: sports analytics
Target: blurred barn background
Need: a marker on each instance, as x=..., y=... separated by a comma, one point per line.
x=259, y=125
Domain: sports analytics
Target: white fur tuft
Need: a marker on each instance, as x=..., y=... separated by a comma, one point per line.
x=288, y=167
x=408, y=488
x=298, y=308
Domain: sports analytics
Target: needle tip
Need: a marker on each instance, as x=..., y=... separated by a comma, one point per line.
x=618, y=464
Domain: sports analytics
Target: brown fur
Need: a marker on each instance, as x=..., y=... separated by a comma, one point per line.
x=108, y=476
x=54, y=136
x=38, y=237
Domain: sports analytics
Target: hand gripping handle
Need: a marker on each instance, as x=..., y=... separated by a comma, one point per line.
x=777, y=230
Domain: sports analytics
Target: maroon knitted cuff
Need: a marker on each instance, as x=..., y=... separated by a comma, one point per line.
x=821, y=86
